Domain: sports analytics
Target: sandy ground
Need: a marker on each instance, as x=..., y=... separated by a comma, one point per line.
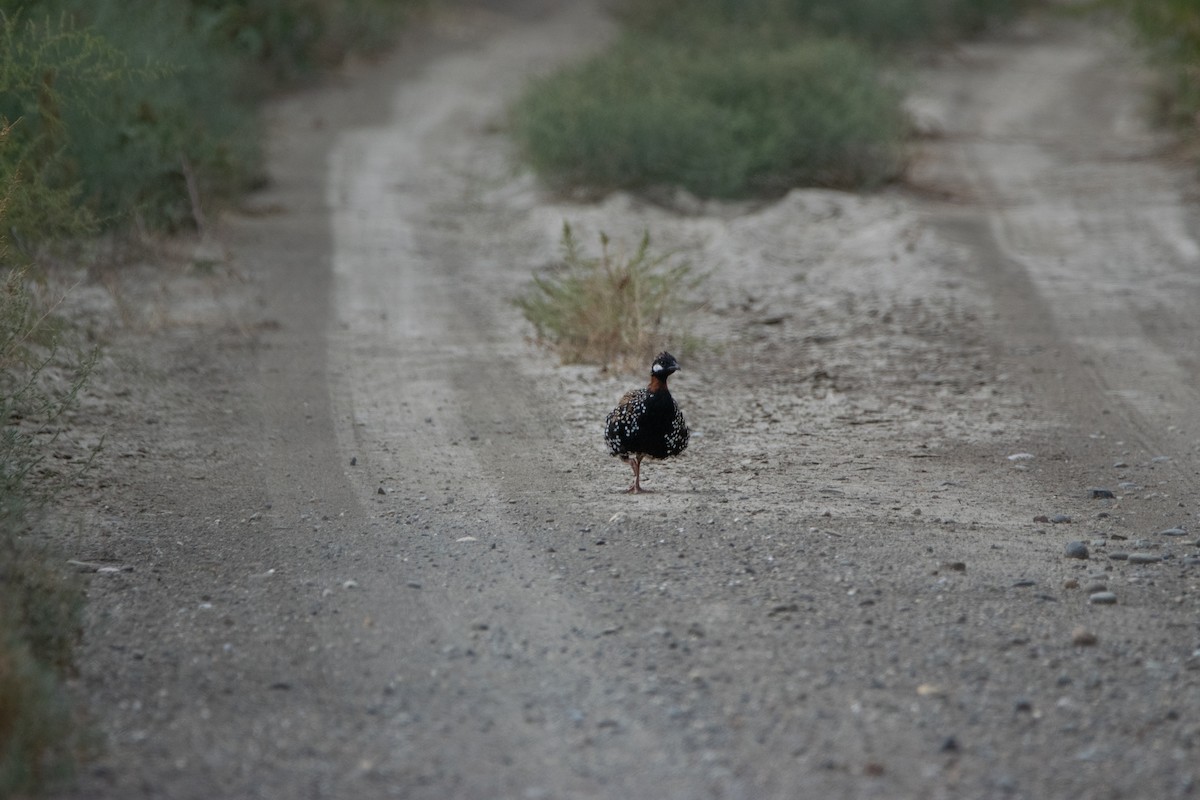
x=375, y=547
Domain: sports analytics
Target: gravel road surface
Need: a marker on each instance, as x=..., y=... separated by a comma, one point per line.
x=375, y=546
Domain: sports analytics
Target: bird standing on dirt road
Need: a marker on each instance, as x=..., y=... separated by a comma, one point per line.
x=647, y=423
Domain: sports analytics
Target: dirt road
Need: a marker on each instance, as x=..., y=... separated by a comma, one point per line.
x=378, y=549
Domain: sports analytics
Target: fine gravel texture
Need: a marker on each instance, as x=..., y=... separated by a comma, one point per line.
x=370, y=542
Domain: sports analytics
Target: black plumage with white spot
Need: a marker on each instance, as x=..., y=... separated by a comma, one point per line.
x=647, y=423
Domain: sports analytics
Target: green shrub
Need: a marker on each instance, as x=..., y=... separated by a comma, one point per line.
x=289, y=39
x=42, y=190
x=1171, y=28
x=611, y=308
x=738, y=97
x=879, y=22
x=134, y=110
x=165, y=107
x=721, y=121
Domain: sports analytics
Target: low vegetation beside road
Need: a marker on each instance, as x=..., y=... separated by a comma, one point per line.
x=1171, y=31
x=133, y=118
x=128, y=119
x=734, y=99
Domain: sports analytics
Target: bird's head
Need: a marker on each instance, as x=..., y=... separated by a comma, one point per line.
x=664, y=364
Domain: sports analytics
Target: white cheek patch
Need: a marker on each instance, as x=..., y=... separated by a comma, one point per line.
x=657, y=368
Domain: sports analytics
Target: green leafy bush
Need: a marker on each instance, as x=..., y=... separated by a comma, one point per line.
x=1171, y=28
x=121, y=108
x=42, y=188
x=720, y=120
x=879, y=22
x=609, y=308
x=739, y=97
x=287, y=39
x=138, y=111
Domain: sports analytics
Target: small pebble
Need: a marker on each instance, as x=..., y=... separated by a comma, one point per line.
x=1101, y=494
x=1102, y=598
x=1120, y=465
x=1070, y=583
x=1118, y=556
x=1095, y=586
x=1173, y=532
x=1076, y=550
x=1082, y=637
x=1144, y=558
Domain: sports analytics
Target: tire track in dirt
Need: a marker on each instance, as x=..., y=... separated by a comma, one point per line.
x=1082, y=235
x=447, y=423
x=488, y=441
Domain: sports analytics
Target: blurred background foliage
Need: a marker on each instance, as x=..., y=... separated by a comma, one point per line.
x=123, y=112
x=885, y=23
x=736, y=98
x=1171, y=30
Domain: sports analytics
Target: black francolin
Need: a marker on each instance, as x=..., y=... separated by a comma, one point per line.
x=647, y=423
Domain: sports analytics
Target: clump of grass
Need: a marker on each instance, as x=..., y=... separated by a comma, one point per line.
x=611, y=308
x=722, y=120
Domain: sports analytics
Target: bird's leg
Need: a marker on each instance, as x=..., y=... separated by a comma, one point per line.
x=636, y=488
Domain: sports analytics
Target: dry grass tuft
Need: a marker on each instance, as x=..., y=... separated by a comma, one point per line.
x=613, y=309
